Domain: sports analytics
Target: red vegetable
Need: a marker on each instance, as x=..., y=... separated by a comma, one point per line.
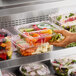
x=26, y=33
x=44, y=28
x=3, y=56
x=36, y=27
x=41, y=40
x=70, y=19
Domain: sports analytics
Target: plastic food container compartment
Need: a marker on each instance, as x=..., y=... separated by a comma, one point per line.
x=64, y=66
x=41, y=35
x=34, y=69
x=26, y=49
x=66, y=20
x=38, y=37
x=6, y=73
x=5, y=45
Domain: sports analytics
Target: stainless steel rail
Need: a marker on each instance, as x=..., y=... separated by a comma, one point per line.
x=18, y=60
x=17, y=3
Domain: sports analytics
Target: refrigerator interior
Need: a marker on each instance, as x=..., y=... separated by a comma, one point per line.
x=12, y=15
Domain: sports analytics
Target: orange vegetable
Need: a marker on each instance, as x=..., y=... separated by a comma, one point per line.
x=30, y=41
x=28, y=51
x=3, y=45
x=35, y=35
x=8, y=45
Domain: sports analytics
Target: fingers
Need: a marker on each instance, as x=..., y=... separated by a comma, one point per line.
x=63, y=32
x=62, y=43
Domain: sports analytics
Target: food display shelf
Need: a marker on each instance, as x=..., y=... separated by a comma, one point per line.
x=17, y=60
x=16, y=71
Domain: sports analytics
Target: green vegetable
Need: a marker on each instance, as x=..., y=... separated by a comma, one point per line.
x=72, y=74
x=57, y=23
x=24, y=70
x=55, y=37
x=61, y=71
x=66, y=17
x=73, y=29
x=27, y=30
x=59, y=17
x=73, y=61
x=71, y=14
x=53, y=27
x=72, y=44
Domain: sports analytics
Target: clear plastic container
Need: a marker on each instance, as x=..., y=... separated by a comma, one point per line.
x=26, y=49
x=5, y=45
x=6, y=73
x=36, y=26
x=38, y=37
x=5, y=48
x=66, y=21
x=34, y=69
x=63, y=66
x=42, y=35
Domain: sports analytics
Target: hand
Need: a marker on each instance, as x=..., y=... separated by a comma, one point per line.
x=67, y=40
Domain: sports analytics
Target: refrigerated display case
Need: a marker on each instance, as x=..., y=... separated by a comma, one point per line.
x=16, y=13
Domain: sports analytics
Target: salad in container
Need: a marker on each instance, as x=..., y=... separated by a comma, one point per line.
x=36, y=33
x=63, y=66
x=5, y=45
x=26, y=49
x=34, y=69
x=66, y=21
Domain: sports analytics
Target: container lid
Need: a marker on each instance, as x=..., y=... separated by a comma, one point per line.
x=34, y=69
x=41, y=26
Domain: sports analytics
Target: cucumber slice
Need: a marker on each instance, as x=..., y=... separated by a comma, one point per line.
x=27, y=30
x=43, y=26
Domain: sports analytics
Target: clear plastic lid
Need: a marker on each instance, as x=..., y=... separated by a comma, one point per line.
x=36, y=26
x=65, y=61
x=34, y=69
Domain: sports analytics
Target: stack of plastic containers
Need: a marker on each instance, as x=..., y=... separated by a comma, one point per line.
x=34, y=39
